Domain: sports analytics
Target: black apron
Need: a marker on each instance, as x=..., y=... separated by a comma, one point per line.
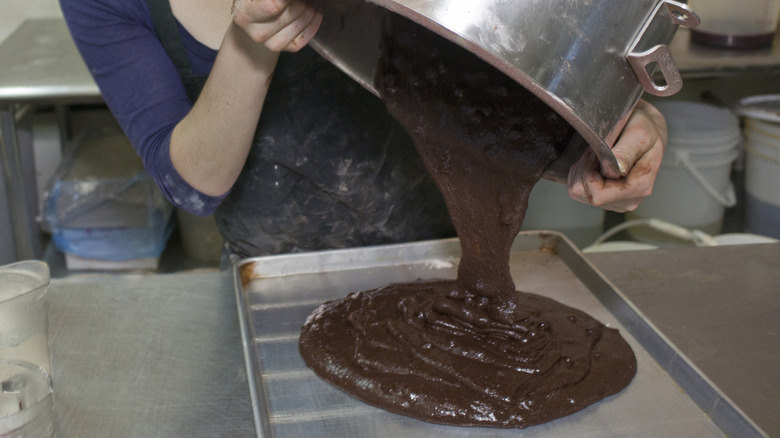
x=329, y=168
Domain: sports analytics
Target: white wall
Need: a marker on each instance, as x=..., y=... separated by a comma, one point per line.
x=14, y=12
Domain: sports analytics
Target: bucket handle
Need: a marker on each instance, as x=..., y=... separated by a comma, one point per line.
x=728, y=199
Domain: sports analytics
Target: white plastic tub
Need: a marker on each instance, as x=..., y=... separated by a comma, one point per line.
x=694, y=184
x=762, y=178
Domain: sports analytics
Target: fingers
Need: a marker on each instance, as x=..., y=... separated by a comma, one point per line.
x=278, y=24
x=585, y=179
x=587, y=185
x=297, y=34
x=639, y=152
x=643, y=131
x=256, y=11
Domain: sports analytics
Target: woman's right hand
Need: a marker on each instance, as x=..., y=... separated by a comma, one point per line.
x=280, y=25
x=209, y=146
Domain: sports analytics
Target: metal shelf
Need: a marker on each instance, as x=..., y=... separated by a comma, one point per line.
x=695, y=61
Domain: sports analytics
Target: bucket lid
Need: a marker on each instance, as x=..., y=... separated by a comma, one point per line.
x=742, y=239
x=762, y=107
x=694, y=124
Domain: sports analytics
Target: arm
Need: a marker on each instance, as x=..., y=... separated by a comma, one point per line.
x=210, y=145
x=639, y=151
x=141, y=87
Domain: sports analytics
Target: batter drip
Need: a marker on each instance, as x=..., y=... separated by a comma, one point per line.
x=473, y=351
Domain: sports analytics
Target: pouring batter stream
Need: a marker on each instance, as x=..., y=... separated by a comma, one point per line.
x=473, y=351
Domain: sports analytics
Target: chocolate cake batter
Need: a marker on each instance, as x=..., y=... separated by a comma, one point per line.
x=473, y=351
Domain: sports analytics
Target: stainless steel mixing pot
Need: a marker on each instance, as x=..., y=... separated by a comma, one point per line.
x=589, y=60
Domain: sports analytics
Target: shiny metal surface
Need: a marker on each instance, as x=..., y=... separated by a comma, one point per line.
x=719, y=306
x=647, y=55
x=148, y=356
x=16, y=192
x=40, y=62
x=276, y=294
x=572, y=54
x=160, y=355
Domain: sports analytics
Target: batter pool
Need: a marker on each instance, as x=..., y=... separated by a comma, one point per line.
x=471, y=351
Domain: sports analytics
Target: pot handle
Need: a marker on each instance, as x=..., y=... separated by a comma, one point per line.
x=644, y=62
x=659, y=57
x=681, y=14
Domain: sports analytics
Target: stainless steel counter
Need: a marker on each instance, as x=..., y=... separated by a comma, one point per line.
x=720, y=307
x=39, y=64
x=148, y=356
x=160, y=355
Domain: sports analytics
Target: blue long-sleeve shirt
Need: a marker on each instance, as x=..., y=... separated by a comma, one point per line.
x=140, y=84
x=329, y=167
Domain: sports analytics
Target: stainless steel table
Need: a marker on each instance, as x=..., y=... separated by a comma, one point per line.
x=39, y=64
x=720, y=307
x=161, y=355
x=148, y=356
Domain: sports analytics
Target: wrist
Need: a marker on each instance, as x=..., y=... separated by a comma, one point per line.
x=255, y=54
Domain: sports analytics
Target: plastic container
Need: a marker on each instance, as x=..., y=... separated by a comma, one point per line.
x=762, y=164
x=619, y=245
x=135, y=224
x=743, y=239
x=24, y=323
x=551, y=208
x=102, y=206
x=693, y=186
x=26, y=401
x=736, y=24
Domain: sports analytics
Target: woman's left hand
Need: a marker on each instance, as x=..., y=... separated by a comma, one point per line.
x=639, y=151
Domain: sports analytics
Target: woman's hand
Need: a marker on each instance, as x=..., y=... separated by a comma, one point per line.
x=639, y=151
x=280, y=25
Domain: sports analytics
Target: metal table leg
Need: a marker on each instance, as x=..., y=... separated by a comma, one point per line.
x=14, y=180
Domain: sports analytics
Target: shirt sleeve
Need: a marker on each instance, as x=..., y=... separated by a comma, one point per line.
x=140, y=85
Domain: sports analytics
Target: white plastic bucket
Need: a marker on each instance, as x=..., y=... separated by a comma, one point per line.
x=693, y=187
x=762, y=177
x=551, y=208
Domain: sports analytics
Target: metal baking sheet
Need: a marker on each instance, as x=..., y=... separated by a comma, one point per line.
x=275, y=295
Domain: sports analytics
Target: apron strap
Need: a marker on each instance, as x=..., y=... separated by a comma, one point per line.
x=168, y=31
